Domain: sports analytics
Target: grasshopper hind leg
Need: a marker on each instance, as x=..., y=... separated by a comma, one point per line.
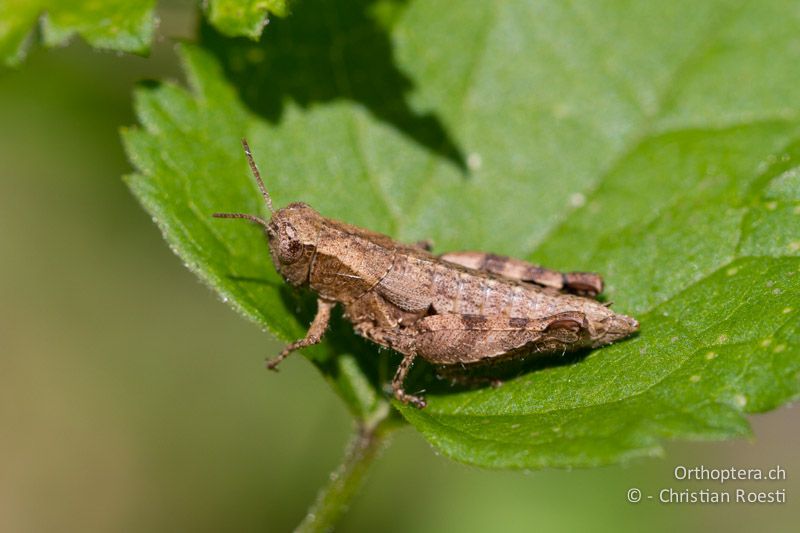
x=465, y=375
x=580, y=283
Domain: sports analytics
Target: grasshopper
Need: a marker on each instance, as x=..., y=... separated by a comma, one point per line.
x=455, y=310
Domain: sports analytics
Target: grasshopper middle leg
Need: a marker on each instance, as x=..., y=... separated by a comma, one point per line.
x=400, y=377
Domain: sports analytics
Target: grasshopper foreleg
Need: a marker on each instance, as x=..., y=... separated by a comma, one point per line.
x=313, y=335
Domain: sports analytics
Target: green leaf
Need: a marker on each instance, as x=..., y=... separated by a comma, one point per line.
x=656, y=144
x=245, y=18
x=125, y=25
x=190, y=165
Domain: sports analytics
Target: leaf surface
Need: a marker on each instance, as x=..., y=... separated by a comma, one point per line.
x=247, y=18
x=125, y=25
x=658, y=145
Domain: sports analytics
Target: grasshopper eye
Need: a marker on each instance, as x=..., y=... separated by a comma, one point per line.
x=290, y=249
x=291, y=252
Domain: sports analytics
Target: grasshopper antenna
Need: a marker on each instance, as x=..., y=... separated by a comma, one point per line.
x=262, y=188
x=257, y=175
x=251, y=218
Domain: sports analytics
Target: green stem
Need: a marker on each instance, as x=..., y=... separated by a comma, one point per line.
x=333, y=499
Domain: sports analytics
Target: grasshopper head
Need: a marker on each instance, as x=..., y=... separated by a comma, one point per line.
x=292, y=231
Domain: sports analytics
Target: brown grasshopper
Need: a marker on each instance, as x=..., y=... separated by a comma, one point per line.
x=454, y=310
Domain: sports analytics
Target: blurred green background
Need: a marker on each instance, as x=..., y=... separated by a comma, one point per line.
x=131, y=399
